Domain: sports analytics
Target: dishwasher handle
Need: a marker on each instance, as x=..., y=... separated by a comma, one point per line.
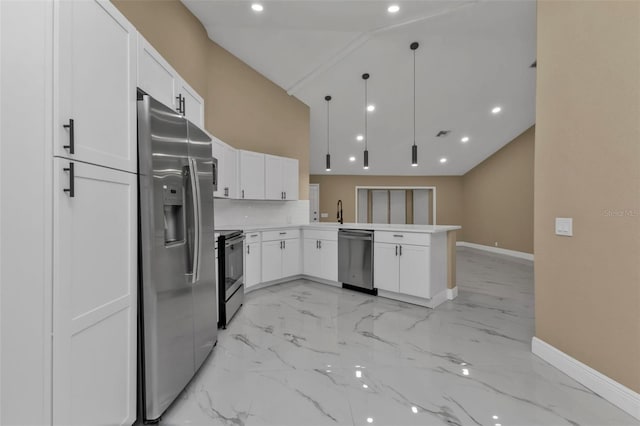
x=353, y=235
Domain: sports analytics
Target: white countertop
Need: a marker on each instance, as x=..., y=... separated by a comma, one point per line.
x=429, y=229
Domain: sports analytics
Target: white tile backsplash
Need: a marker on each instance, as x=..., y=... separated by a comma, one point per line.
x=248, y=212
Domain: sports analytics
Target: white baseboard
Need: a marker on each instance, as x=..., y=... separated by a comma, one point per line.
x=513, y=253
x=617, y=394
x=452, y=293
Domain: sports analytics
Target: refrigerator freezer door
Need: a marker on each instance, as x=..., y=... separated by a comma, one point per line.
x=204, y=287
x=166, y=289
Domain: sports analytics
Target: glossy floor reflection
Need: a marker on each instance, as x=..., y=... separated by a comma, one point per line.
x=308, y=354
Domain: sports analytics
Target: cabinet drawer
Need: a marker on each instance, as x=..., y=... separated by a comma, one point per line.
x=412, y=238
x=252, y=237
x=315, y=234
x=282, y=234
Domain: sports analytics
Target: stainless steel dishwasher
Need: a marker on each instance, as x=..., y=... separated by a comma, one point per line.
x=355, y=260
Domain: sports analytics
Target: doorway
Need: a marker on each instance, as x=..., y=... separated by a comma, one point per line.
x=396, y=205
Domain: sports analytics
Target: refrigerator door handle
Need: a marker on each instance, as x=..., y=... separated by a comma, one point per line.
x=195, y=187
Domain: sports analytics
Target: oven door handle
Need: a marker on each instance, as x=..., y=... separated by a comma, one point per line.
x=233, y=241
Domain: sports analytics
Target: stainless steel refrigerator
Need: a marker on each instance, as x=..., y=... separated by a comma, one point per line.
x=178, y=317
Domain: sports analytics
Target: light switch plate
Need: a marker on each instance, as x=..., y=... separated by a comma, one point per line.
x=564, y=226
x=323, y=215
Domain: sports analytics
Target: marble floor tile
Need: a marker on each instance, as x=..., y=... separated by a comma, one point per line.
x=307, y=354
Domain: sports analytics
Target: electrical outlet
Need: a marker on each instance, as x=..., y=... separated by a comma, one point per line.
x=564, y=226
x=324, y=215
x=495, y=244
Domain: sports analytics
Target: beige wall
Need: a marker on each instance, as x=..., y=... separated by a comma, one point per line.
x=587, y=166
x=242, y=107
x=248, y=111
x=449, y=202
x=498, y=197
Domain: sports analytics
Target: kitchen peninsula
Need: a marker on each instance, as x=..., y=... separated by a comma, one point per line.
x=411, y=263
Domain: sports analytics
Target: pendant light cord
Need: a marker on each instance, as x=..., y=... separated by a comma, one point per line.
x=366, y=139
x=414, y=97
x=327, y=126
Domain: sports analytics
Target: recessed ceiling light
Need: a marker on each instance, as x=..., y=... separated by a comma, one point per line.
x=414, y=410
x=496, y=110
x=359, y=138
x=394, y=8
x=495, y=417
x=465, y=139
x=365, y=386
x=443, y=160
x=257, y=7
x=371, y=108
x=369, y=420
x=352, y=159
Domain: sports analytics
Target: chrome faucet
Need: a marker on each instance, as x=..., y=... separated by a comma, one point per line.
x=340, y=218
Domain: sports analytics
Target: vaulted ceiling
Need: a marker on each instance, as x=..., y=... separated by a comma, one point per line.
x=473, y=56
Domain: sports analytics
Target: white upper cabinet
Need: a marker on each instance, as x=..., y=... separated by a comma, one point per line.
x=290, y=178
x=251, y=175
x=192, y=104
x=273, y=178
x=155, y=76
x=227, y=169
x=280, y=178
x=95, y=84
x=160, y=80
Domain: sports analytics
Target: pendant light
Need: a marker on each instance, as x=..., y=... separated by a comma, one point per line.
x=365, y=77
x=414, y=148
x=328, y=161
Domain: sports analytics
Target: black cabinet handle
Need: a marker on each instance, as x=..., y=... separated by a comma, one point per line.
x=184, y=107
x=72, y=177
x=243, y=193
x=400, y=250
x=396, y=250
x=179, y=99
x=72, y=143
x=248, y=249
x=284, y=244
x=317, y=245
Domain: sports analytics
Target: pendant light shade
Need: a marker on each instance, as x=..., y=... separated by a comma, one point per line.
x=365, y=165
x=328, y=159
x=414, y=148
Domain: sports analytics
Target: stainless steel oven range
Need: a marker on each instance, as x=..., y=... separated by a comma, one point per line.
x=230, y=275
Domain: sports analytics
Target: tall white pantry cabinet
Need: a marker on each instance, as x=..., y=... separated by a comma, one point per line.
x=69, y=135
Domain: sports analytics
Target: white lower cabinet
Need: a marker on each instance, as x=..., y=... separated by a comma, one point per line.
x=271, y=260
x=94, y=294
x=253, y=272
x=312, y=263
x=386, y=267
x=290, y=258
x=321, y=259
x=414, y=271
x=280, y=254
x=402, y=268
